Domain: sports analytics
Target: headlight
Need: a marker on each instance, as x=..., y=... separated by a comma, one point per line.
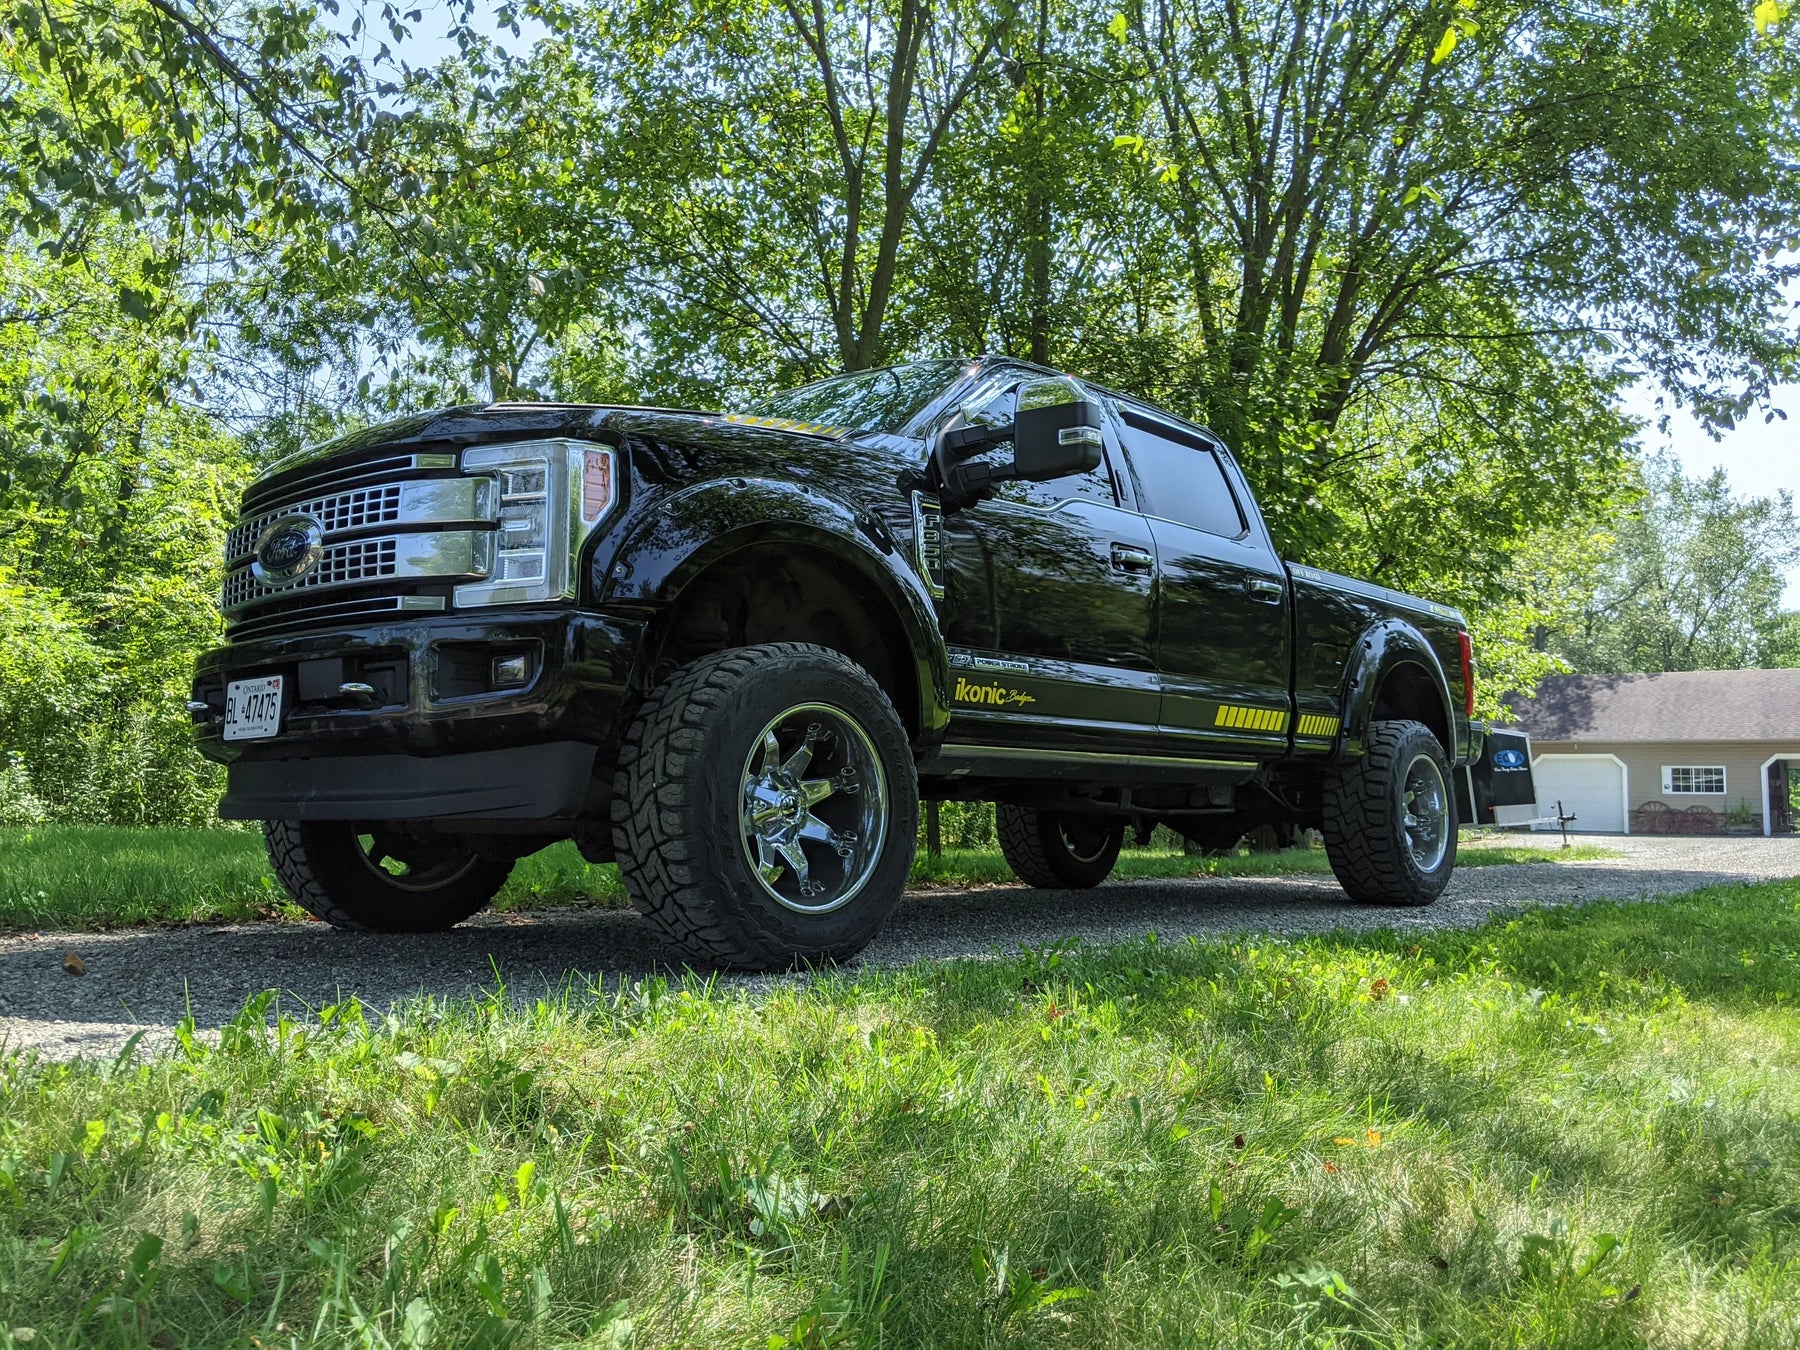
x=552, y=495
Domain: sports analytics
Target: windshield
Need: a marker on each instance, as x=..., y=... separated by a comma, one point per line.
x=868, y=400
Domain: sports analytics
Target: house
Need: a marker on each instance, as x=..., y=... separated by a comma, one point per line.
x=1694, y=752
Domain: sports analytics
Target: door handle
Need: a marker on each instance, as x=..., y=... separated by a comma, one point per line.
x=1128, y=559
x=1268, y=592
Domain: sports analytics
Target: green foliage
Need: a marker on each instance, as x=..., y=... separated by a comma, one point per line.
x=1571, y=1127
x=83, y=877
x=1692, y=580
x=107, y=590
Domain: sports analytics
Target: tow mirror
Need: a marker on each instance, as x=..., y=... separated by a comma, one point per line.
x=1056, y=431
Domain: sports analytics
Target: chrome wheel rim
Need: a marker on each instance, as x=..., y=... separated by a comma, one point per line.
x=409, y=863
x=1425, y=812
x=1083, y=846
x=812, y=815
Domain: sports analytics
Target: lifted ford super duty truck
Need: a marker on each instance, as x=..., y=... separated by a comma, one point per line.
x=734, y=652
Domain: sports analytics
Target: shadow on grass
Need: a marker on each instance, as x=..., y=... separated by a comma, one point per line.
x=1736, y=943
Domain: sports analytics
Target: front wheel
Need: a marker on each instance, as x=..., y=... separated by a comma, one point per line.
x=765, y=807
x=1390, y=818
x=376, y=879
x=1058, y=850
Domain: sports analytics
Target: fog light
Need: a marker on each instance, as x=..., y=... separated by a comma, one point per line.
x=510, y=670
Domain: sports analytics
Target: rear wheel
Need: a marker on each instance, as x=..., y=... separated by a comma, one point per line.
x=378, y=879
x=765, y=807
x=1390, y=818
x=1058, y=850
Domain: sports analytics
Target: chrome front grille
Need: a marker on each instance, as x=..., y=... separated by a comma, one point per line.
x=334, y=475
x=339, y=513
x=440, y=555
x=339, y=565
x=382, y=534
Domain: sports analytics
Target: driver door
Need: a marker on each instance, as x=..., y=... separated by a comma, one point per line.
x=1048, y=607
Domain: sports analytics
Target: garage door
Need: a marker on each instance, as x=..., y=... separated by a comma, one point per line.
x=1590, y=787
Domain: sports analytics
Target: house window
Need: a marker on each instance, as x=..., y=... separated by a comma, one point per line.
x=1694, y=779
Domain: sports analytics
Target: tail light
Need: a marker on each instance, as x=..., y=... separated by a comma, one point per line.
x=1468, y=673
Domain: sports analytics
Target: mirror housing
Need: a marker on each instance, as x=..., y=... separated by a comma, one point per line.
x=1057, y=431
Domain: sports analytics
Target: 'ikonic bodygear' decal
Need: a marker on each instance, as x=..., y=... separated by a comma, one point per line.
x=974, y=693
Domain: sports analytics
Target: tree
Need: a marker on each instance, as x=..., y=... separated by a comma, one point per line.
x=1693, y=582
x=1434, y=208
x=765, y=160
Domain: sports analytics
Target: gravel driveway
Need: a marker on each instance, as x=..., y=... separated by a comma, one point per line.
x=148, y=978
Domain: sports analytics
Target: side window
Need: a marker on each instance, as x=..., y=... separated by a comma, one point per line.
x=997, y=406
x=1183, y=483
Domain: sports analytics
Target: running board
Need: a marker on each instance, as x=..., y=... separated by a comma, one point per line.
x=1012, y=761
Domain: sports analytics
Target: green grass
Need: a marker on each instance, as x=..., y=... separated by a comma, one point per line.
x=984, y=867
x=1573, y=1128
x=80, y=876
x=77, y=876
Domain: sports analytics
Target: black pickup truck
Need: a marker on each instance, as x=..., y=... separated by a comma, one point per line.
x=734, y=651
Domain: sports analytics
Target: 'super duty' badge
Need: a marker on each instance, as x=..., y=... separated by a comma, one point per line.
x=287, y=550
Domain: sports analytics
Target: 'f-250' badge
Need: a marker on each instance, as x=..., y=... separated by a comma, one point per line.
x=928, y=542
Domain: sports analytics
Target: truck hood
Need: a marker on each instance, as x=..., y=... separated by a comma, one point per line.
x=474, y=423
x=668, y=446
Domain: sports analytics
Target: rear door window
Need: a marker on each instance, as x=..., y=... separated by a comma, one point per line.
x=1181, y=479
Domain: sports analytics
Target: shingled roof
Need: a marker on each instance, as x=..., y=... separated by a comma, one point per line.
x=1693, y=705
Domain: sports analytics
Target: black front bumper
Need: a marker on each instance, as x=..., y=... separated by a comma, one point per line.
x=527, y=782
x=431, y=738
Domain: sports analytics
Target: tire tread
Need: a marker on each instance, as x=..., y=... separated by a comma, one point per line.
x=655, y=812
x=1361, y=839
x=302, y=877
x=1032, y=845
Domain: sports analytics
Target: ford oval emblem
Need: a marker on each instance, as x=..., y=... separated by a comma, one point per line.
x=287, y=550
x=1509, y=759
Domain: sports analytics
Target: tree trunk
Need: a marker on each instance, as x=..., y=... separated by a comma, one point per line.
x=1037, y=209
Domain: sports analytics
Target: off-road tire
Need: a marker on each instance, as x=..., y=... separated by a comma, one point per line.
x=1034, y=842
x=322, y=866
x=676, y=794
x=1365, y=837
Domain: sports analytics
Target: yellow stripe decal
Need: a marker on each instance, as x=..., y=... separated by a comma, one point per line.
x=1316, y=724
x=1252, y=719
x=784, y=424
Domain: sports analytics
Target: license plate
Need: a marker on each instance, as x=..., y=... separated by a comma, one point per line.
x=253, y=708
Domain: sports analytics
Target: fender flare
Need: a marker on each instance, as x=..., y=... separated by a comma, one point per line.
x=1378, y=650
x=690, y=530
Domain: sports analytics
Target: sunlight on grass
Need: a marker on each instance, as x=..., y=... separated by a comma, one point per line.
x=1572, y=1128
x=80, y=876
x=68, y=876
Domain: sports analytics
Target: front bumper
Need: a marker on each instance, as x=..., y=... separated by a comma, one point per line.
x=424, y=733
x=526, y=782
